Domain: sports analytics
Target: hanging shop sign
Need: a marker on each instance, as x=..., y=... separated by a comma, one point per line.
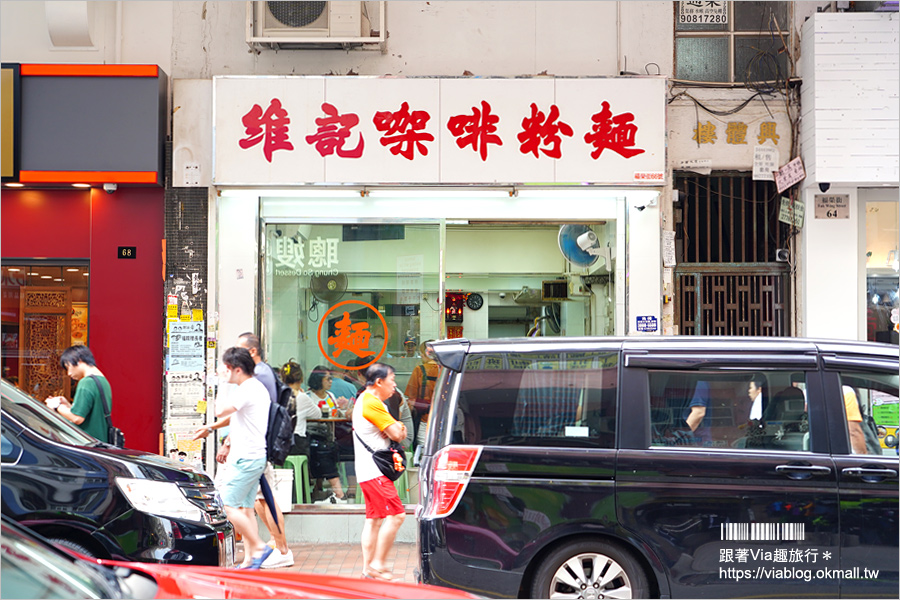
x=297, y=130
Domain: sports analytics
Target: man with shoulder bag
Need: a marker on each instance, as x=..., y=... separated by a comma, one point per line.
x=91, y=407
x=374, y=431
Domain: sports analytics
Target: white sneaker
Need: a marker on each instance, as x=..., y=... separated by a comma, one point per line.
x=278, y=560
x=332, y=499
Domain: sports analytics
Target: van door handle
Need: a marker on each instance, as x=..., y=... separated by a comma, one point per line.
x=873, y=473
x=802, y=471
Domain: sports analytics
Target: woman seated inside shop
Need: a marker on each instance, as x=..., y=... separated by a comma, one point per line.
x=323, y=454
x=304, y=408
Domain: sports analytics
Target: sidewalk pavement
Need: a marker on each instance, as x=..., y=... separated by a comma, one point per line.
x=344, y=559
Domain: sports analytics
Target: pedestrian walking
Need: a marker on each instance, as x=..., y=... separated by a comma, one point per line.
x=272, y=518
x=247, y=407
x=374, y=426
x=93, y=396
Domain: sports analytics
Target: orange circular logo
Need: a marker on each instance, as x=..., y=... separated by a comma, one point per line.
x=351, y=337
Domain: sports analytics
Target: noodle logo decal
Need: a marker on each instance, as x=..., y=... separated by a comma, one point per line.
x=349, y=336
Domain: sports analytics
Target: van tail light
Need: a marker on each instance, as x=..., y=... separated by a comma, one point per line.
x=453, y=466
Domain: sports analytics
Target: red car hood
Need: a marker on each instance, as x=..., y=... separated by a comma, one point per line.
x=179, y=581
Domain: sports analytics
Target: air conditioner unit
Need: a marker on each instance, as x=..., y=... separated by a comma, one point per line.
x=337, y=24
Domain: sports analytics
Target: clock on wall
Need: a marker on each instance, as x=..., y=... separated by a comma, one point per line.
x=474, y=301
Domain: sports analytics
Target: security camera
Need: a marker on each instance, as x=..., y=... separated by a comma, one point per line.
x=502, y=294
x=824, y=187
x=110, y=188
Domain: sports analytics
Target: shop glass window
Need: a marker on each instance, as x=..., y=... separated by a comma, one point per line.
x=712, y=409
x=310, y=268
x=870, y=396
x=882, y=268
x=521, y=399
x=747, y=47
x=44, y=311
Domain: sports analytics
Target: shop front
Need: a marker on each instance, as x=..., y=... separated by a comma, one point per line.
x=83, y=231
x=348, y=233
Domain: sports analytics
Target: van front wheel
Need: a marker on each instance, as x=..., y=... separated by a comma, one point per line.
x=590, y=570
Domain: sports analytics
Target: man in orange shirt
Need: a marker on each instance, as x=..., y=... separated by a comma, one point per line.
x=373, y=426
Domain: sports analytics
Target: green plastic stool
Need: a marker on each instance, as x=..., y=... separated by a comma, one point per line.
x=300, y=464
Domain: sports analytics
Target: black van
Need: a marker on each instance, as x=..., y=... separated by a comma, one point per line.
x=649, y=467
x=103, y=501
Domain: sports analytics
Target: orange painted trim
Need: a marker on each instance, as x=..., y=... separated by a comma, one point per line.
x=88, y=177
x=89, y=70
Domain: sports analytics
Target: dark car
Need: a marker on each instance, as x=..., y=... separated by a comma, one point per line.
x=103, y=501
x=651, y=467
x=33, y=568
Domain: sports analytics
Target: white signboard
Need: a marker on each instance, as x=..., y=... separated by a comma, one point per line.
x=703, y=166
x=765, y=163
x=296, y=130
x=668, y=238
x=703, y=12
x=698, y=139
x=789, y=174
x=792, y=212
x=832, y=206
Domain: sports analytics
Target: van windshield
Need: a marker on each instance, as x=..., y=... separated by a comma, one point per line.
x=36, y=416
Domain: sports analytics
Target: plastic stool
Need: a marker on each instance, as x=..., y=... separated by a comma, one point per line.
x=402, y=485
x=300, y=464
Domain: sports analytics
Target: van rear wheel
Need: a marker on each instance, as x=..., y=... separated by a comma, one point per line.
x=591, y=570
x=73, y=546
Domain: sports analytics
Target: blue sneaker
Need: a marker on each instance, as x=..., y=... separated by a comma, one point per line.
x=259, y=560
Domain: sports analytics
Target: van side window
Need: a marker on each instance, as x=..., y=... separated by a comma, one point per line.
x=716, y=409
x=526, y=399
x=870, y=408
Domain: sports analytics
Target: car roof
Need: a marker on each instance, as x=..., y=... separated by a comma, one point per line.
x=449, y=352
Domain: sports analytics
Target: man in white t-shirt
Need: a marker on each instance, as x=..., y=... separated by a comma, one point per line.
x=248, y=409
x=374, y=425
x=756, y=390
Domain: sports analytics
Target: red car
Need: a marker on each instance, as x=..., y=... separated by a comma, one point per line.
x=33, y=568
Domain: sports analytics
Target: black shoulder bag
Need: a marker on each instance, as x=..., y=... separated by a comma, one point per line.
x=390, y=461
x=114, y=434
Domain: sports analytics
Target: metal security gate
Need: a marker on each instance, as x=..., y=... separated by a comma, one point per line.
x=729, y=280
x=748, y=300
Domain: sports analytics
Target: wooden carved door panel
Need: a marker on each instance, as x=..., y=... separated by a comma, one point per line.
x=44, y=322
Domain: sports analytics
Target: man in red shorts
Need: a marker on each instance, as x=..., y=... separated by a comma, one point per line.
x=384, y=512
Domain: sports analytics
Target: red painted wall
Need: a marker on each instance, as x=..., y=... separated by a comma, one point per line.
x=126, y=323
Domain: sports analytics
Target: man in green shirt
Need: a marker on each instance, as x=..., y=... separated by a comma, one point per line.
x=87, y=410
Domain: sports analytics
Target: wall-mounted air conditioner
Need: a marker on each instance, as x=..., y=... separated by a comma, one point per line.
x=333, y=24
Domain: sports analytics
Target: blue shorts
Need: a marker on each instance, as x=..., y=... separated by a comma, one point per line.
x=242, y=481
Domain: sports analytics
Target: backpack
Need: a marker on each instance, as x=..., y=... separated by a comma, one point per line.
x=280, y=432
x=279, y=435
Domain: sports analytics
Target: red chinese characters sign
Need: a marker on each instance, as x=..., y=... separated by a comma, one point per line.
x=451, y=131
